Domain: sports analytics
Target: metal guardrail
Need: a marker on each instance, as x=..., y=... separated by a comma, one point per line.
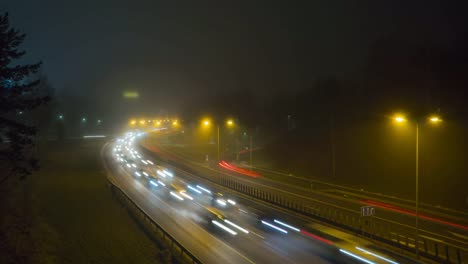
x=374, y=228
x=178, y=251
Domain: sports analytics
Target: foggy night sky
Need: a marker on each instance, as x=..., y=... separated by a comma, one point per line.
x=170, y=50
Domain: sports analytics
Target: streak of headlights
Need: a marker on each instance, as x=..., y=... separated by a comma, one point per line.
x=275, y=227
x=203, y=189
x=236, y=226
x=168, y=173
x=225, y=228
x=356, y=256
x=154, y=184
x=162, y=183
x=193, y=189
x=221, y=202
x=286, y=225
x=186, y=195
x=176, y=196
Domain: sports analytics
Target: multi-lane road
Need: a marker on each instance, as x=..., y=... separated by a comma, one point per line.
x=433, y=226
x=219, y=227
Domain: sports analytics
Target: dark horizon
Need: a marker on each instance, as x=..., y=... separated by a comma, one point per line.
x=93, y=52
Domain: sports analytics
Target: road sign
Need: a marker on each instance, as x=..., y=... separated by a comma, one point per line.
x=367, y=211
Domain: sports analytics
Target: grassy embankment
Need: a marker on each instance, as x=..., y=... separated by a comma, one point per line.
x=65, y=213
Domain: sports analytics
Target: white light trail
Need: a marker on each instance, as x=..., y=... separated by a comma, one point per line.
x=356, y=256
x=176, y=196
x=162, y=183
x=231, y=202
x=168, y=173
x=146, y=174
x=160, y=173
x=154, y=184
x=150, y=162
x=232, y=232
x=275, y=227
x=236, y=226
x=186, y=195
x=288, y=226
x=137, y=174
x=203, y=189
x=221, y=202
x=193, y=189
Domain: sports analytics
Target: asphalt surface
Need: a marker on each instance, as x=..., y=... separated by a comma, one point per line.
x=189, y=222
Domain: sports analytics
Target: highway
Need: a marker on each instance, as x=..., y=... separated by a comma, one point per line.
x=432, y=225
x=219, y=227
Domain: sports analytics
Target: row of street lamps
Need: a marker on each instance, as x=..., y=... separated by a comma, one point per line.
x=84, y=120
x=205, y=123
x=155, y=122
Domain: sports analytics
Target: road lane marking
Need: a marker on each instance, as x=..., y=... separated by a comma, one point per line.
x=262, y=237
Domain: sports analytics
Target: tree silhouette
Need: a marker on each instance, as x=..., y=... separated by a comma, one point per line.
x=18, y=96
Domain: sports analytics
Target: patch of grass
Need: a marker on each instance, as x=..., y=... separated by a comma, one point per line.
x=74, y=205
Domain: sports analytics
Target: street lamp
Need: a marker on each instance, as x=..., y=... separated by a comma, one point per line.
x=83, y=119
x=434, y=120
x=207, y=123
x=400, y=119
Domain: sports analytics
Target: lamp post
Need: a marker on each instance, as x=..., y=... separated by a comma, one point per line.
x=217, y=128
x=207, y=123
x=434, y=120
x=251, y=150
